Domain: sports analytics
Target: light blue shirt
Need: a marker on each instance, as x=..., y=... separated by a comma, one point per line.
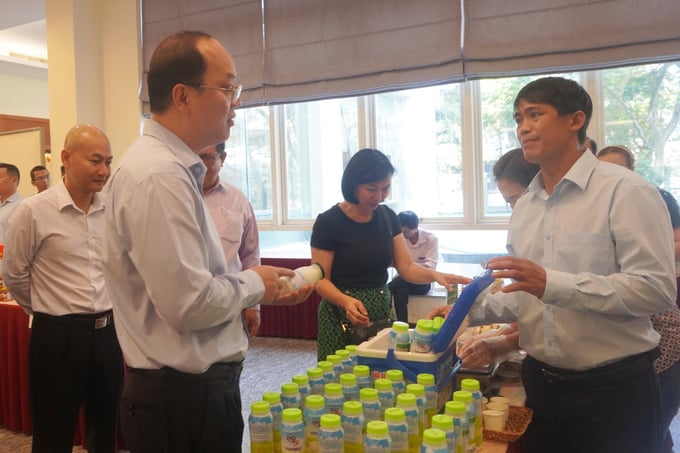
x=173, y=303
x=7, y=207
x=605, y=240
x=53, y=259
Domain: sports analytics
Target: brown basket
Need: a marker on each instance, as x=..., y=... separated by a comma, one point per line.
x=518, y=420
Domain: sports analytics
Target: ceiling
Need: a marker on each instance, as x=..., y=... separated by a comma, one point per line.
x=23, y=39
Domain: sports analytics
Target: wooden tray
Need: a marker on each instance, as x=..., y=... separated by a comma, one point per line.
x=518, y=421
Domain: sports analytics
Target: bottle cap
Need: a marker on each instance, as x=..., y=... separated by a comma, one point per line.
x=362, y=370
x=352, y=348
x=343, y=353
x=425, y=379
x=434, y=436
x=442, y=421
x=291, y=415
x=382, y=384
x=462, y=395
x=455, y=407
x=271, y=397
x=315, y=402
x=395, y=414
x=437, y=323
x=315, y=372
x=289, y=388
x=259, y=407
x=334, y=359
x=330, y=421
x=377, y=428
x=352, y=408
x=325, y=365
x=300, y=379
x=348, y=379
x=416, y=389
x=394, y=375
x=424, y=326
x=332, y=388
x=406, y=399
x=400, y=326
x=470, y=385
x=368, y=394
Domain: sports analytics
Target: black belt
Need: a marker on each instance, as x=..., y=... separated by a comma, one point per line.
x=220, y=370
x=606, y=374
x=96, y=320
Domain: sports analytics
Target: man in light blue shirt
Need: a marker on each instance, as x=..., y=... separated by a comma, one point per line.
x=9, y=197
x=591, y=259
x=177, y=310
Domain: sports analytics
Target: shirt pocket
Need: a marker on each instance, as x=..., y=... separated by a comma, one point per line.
x=585, y=252
x=230, y=227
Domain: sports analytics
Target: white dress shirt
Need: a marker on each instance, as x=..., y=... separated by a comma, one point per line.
x=173, y=303
x=426, y=249
x=7, y=207
x=53, y=255
x=605, y=240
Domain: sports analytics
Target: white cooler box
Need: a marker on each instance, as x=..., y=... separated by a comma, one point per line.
x=442, y=362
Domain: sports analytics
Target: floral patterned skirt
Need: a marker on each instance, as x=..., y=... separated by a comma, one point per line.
x=377, y=302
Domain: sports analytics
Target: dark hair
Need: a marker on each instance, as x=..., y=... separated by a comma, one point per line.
x=672, y=205
x=565, y=95
x=592, y=147
x=366, y=165
x=12, y=170
x=514, y=167
x=622, y=150
x=175, y=60
x=408, y=219
x=220, y=147
x=35, y=169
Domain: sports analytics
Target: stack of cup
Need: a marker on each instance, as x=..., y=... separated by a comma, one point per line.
x=502, y=404
x=494, y=420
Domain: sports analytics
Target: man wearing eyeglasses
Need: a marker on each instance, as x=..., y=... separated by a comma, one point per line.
x=235, y=221
x=177, y=306
x=40, y=178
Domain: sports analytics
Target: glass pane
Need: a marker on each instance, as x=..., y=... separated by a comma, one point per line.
x=248, y=163
x=420, y=130
x=498, y=132
x=320, y=138
x=641, y=106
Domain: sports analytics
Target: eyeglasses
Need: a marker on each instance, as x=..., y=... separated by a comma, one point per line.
x=41, y=178
x=234, y=90
x=208, y=157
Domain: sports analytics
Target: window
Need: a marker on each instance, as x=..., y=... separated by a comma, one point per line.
x=443, y=141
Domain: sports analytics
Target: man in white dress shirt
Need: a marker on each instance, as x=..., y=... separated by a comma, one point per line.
x=53, y=265
x=235, y=221
x=178, y=310
x=423, y=247
x=9, y=197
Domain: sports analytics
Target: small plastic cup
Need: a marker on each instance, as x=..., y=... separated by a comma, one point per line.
x=493, y=420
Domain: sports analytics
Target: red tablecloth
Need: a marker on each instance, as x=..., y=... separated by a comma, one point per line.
x=14, y=338
x=297, y=321
x=15, y=335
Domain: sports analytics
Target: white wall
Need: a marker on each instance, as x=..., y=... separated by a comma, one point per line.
x=23, y=90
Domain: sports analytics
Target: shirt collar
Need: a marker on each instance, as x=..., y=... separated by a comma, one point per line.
x=579, y=174
x=64, y=199
x=16, y=196
x=178, y=147
x=219, y=187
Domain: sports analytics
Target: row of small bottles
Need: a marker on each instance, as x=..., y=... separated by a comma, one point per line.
x=357, y=400
x=420, y=340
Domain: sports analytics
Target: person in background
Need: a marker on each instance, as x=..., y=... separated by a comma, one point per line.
x=53, y=265
x=513, y=175
x=235, y=222
x=355, y=242
x=666, y=323
x=9, y=197
x=590, y=145
x=424, y=250
x=585, y=282
x=40, y=178
x=177, y=308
